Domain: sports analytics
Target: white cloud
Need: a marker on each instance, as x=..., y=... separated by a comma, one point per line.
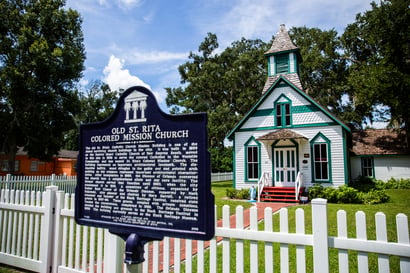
x=149, y=57
x=261, y=19
x=119, y=78
x=127, y=4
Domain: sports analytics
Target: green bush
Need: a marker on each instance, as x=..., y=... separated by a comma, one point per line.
x=316, y=191
x=363, y=183
x=237, y=194
x=401, y=183
x=374, y=197
x=231, y=193
x=350, y=195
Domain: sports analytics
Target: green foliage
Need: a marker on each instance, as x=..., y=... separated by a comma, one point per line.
x=42, y=55
x=363, y=183
x=350, y=195
x=393, y=183
x=237, y=194
x=323, y=70
x=225, y=85
x=374, y=197
x=97, y=103
x=221, y=159
x=377, y=47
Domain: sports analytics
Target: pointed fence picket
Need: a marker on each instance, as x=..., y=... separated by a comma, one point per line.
x=38, y=233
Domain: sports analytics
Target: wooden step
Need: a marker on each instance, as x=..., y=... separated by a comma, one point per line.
x=279, y=194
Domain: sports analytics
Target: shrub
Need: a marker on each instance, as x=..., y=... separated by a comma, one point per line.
x=316, y=191
x=348, y=195
x=237, y=194
x=363, y=183
x=231, y=193
x=401, y=183
x=374, y=197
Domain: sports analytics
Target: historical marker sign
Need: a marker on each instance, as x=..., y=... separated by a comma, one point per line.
x=146, y=172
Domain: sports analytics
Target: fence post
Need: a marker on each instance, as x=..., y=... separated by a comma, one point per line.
x=46, y=235
x=8, y=181
x=320, y=236
x=53, y=179
x=113, y=253
x=58, y=231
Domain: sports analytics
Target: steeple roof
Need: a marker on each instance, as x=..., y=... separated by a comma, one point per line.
x=282, y=42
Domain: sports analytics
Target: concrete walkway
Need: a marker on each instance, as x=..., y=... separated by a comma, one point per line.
x=246, y=221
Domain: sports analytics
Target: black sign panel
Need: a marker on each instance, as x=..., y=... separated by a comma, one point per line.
x=146, y=172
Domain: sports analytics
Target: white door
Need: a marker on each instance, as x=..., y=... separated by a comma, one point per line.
x=285, y=167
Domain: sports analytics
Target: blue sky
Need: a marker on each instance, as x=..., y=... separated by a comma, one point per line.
x=142, y=42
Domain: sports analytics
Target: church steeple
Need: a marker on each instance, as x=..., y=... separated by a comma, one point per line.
x=283, y=60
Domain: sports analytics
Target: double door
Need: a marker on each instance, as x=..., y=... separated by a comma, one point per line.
x=285, y=167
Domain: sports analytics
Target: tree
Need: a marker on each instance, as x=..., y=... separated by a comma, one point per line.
x=41, y=57
x=96, y=104
x=224, y=85
x=377, y=46
x=323, y=70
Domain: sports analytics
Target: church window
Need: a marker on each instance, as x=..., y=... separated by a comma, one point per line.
x=321, y=158
x=252, y=160
x=282, y=63
x=283, y=115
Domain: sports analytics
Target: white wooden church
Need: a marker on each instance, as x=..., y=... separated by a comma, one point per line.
x=287, y=137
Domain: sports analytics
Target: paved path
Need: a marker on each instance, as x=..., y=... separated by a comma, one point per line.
x=246, y=221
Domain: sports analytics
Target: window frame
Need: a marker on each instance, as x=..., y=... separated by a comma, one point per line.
x=283, y=112
x=253, y=144
x=364, y=168
x=325, y=145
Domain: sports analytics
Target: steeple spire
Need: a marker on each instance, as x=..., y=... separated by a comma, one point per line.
x=282, y=42
x=283, y=60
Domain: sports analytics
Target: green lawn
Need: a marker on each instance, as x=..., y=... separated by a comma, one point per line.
x=219, y=191
x=399, y=203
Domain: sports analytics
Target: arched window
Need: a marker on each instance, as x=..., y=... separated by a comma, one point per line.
x=283, y=114
x=252, y=159
x=321, y=164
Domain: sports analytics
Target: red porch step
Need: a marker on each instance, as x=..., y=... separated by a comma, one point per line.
x=280, y=194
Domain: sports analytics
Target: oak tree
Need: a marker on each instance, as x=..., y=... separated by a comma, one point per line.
x=41, y=57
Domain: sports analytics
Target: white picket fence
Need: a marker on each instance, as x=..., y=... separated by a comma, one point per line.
x=38, y=233
x=38, y=183
x=64, y=183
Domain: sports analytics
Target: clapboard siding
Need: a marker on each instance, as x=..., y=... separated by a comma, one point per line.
x=333, y=133
x=385, y=168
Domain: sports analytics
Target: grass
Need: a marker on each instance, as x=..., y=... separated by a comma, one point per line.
x=219, y=191
x=399, y=203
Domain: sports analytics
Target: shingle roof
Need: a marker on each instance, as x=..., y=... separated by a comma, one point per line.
x=282, y=42
x=61, y=153
x=281, y=134
x=293, y=78
x=378, y=142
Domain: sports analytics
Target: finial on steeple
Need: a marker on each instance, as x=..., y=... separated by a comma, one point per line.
x=282, y=41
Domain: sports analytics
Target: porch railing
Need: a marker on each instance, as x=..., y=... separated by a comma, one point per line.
x=298, y=184
x=263, y=181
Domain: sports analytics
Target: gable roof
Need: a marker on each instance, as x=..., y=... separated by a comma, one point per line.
x=378, y=142
x=270, y=90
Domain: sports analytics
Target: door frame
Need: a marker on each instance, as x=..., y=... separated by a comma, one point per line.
x=277, y=145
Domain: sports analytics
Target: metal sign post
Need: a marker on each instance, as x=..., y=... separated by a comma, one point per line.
x=144, y=174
